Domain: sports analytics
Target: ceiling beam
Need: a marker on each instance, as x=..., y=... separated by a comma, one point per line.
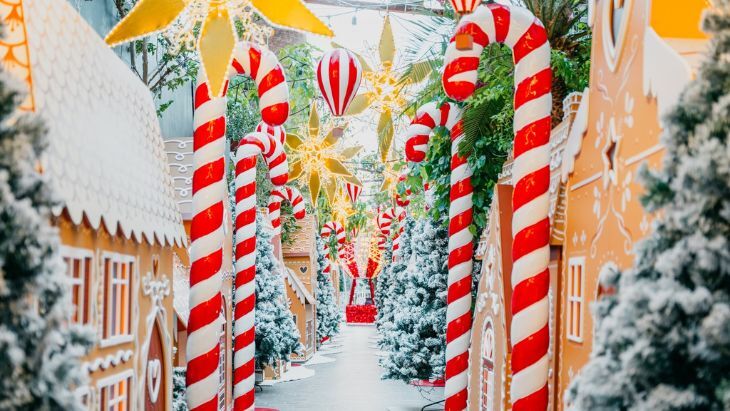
x=413, y=7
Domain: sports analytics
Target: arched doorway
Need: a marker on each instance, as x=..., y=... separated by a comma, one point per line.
x=486, y=397
x=154, y=380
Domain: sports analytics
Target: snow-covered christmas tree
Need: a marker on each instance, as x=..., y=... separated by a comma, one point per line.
x=391, y=281
x=662, y=340
x=39, y=351
x=383, y=279
x=276, y=334
x=329, y=316
x=416, y=344
x=179, y=388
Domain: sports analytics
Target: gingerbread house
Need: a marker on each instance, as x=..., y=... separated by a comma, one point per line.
x=118, y=220
x=643, y=54
x=490, y=349
x=300, y=260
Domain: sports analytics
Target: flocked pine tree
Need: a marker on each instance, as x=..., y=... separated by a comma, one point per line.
x=382, y=280
x=662, y=341
x=276, y=334
x=415, y=345
x=179, y=402
x=39, y=351
x=329, y=316
x=391, y=281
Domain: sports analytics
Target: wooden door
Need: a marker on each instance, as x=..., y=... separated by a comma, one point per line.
x=155, y=377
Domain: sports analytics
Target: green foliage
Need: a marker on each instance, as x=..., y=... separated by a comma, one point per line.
x=489, y=113
x=155, y=61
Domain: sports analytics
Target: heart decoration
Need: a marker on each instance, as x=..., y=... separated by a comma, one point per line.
x=303, y=269
x=154, y=378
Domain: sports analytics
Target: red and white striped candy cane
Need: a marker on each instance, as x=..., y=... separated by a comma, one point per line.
x=287, y=193
x=402, y=200
x=397, y=238
x=279, y=132
x=525, y=35
x=461, y=247
x=332, y=228
x=244, y=298
x=206, y=231
x=206, y=251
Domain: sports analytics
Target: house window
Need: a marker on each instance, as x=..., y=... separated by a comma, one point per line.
x=576, y=286
x=487, y=375
x=115, y=392
x=118, y=270
x=78, y=268
x=310, y=332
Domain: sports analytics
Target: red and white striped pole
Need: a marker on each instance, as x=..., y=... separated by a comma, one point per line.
x=461, y=247
x=206, y=250
x=517, y=28
x=244, y=297
x=206, y=231
x=277, y=196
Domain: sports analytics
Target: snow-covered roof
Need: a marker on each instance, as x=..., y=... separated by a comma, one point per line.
x=106, y=156
x=299, y=288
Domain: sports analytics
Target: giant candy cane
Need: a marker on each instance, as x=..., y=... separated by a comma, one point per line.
x=206, y=231
x=244, y=298
x=525, y=35
x=461, y=248
x=336, y=229
x=290, y=194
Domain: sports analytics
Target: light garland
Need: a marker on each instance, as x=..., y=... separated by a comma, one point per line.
x=181, y=33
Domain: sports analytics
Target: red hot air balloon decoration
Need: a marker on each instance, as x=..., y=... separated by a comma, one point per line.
x=338, y=74
x=353, y=191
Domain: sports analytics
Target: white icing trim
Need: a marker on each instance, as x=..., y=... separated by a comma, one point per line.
x=577, y=132
x=665, y=72
x=111, y=360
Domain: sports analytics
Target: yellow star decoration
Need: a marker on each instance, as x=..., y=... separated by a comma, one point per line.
x=341, y=207
x=217, y=21
x=385, y=89
x=390, y=179
x=318, y=159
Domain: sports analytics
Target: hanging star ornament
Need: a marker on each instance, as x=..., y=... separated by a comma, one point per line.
x=386, y=89
x=317, y=159
x=216, y=20
x=341, y=207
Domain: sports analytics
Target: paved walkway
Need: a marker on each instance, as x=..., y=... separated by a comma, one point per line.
x=351, y=383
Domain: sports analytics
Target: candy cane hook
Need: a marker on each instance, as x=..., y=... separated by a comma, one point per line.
x=206, y=231
x=525, y=35
x=287, y=193
x=461, y=247
x=244, y=298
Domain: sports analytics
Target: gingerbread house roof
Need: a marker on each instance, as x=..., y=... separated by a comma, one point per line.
x=300, y=289
x=106, y=157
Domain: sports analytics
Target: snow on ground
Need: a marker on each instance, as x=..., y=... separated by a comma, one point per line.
x=352, y=382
